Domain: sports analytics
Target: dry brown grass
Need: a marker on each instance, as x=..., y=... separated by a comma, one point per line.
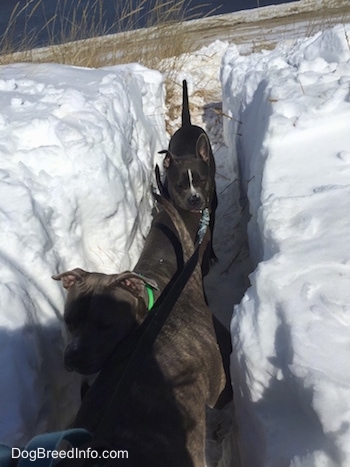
x=81, y=41
x=327, y=22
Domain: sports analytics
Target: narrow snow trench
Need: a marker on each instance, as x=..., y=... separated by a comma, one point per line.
x=228, y=279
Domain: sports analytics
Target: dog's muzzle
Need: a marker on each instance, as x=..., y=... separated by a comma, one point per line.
x=195, y=202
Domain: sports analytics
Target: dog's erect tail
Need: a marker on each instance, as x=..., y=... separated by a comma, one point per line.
x=186, y=117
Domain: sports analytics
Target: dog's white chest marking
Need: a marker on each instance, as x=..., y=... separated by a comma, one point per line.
x=190, y=179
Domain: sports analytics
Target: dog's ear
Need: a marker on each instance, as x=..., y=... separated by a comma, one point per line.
x=167, y=159
x=135, y=282
x=70, y=278
x=203, y=148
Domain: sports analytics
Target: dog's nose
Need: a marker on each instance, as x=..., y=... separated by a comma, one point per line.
x=194, y=200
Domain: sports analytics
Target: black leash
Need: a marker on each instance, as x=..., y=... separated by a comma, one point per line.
x=152, y=326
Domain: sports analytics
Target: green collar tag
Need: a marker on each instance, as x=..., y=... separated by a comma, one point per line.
x=150, y=297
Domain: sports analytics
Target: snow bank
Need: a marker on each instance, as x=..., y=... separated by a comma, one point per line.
x=289, y=124
x=77, y=148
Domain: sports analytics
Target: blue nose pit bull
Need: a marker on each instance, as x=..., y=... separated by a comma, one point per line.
x=101, y=310
x=189, y=178
x=161, y=421
x=190, y=172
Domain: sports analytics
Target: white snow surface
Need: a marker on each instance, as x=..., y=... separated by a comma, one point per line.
x=289, y=127
x=77, y=149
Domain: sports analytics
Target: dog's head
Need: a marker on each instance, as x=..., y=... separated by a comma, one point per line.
x=100, y=311
x=189, y=176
